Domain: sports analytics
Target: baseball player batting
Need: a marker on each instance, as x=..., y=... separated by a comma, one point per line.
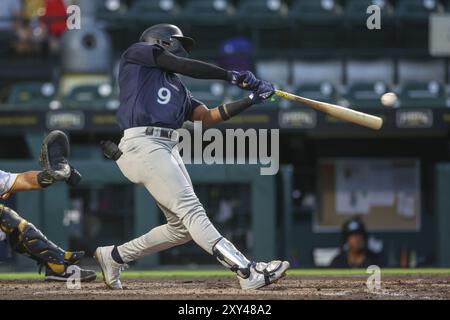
x=154, y=103
x=24, y=237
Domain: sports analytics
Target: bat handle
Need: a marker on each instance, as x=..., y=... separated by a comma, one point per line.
x=281, y=94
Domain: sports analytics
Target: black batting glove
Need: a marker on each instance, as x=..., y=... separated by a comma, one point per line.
x=243, y=79
x=263, y=92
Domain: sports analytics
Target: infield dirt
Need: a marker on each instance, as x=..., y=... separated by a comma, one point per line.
x=292, y=287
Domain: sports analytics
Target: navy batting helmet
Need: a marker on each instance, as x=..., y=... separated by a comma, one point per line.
x=169, y=37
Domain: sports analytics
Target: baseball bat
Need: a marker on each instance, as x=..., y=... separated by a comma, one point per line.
x=341, y=113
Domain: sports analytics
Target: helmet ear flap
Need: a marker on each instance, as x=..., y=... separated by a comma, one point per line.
x=174, y=46
x=178, y=49
x=186, y=42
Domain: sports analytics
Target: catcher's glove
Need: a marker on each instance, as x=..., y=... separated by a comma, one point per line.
x=53, y=157
x=53, y=160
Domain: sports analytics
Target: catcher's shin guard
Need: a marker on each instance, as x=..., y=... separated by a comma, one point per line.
x=25, y=238
x=227, y=254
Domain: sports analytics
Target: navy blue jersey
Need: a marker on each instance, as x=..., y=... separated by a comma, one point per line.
x=150, y=96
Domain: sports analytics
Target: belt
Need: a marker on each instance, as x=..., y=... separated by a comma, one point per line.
x=157, y=132
x=163, y=133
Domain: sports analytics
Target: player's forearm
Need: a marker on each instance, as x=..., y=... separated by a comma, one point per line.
x=231, y=109
x=26, y=181
x=211, y=118
x=191, y=68
x=32, y=180
x=226, y=111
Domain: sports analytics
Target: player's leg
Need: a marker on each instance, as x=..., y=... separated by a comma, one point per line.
x=26, y=239
x=17, y=244
x=160, y=238
x=163, y=173
x=251, y=275
x=113, y=258
x=171, y=186
x=151, y=162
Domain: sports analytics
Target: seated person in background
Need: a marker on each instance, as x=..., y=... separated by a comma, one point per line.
x=354, y=252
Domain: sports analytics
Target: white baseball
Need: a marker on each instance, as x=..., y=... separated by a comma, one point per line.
x=389, y=99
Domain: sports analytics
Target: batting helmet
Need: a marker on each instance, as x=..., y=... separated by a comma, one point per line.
x=170, y=37
x=354, y=225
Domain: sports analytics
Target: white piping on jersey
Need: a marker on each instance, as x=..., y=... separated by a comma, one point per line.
x=170, y=84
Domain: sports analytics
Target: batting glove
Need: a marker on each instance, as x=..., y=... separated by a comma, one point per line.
x=243, y=79
x=263, y=92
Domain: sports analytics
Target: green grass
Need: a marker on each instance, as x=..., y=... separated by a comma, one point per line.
x=294, y=272
x=222, y=272
x=20, y=276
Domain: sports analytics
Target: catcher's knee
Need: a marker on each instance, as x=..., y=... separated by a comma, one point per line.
x=10, y=220
x=26, y=239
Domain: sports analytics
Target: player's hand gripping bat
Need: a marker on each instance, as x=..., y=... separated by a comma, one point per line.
x=341, y=113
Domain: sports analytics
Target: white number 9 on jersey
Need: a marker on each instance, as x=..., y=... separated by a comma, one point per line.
x=164, y=96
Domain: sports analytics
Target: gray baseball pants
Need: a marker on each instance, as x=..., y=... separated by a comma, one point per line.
x=156, y=163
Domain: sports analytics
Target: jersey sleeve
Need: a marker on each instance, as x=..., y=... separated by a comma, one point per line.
x=7, y=181
x=142, y=54
x=193, y=103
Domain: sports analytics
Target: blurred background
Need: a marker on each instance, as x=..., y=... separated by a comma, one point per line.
x=396, y=180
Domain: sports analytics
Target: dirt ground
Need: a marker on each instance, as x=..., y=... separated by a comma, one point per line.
x=349, y=287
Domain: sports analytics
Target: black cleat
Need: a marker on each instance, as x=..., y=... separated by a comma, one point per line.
x=73, y=257
x=85, y=275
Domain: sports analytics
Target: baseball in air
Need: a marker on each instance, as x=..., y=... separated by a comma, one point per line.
x=389, y=99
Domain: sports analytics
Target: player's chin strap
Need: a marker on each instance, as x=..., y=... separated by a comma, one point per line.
x=227, y=254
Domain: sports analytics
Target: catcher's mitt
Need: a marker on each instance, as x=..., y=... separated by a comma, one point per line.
x=54, y=153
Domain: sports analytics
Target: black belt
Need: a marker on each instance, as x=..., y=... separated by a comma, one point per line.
x=161, y=132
